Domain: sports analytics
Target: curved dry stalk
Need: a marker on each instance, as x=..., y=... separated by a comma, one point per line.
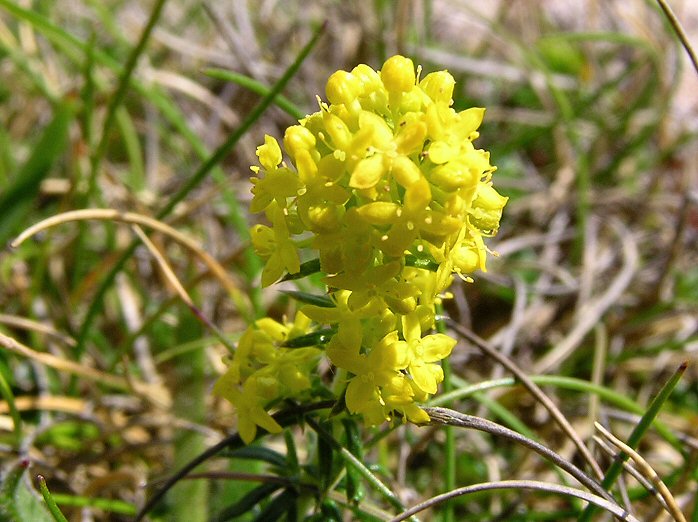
x=106, y=214
x=615, y=509
x=533, y=388
x=648, y=472
x=155, y=394
x=448, y=417
x=644, y=482
x=35, y=326
x=678, y=29
x=179, y=288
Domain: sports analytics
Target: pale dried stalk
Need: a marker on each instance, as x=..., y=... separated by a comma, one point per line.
x=47, y=402
x=647, y=484
x=155, y=394
x=179, y=288
x=591, y=312
x=105, y=214
x=35, y=326
x=647, y=470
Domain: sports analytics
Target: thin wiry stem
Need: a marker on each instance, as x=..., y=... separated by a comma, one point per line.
x=648, y=472
x=533, y=388
x=615, y=509
x=448, y=417
x=678, y=29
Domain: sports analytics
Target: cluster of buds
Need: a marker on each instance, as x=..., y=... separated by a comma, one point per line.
x=384, y=186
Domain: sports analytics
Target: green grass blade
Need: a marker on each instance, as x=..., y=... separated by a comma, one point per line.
x=257, y=87
x=135, y=179
x=124, y=83
x=116, y=506
x=50, y=502
x=634, y=439
x=16, y=201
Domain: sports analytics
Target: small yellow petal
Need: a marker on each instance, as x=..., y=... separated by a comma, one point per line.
x=367, y=172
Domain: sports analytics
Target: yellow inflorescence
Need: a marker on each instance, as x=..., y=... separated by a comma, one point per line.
x=383, y=175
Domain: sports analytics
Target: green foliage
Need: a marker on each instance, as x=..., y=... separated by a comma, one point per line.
x=19, y=501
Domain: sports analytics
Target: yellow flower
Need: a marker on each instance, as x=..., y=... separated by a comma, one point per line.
x=262, y=371
x=398, y=74
x=424, y=352
x=248, y=405
x=378, y=368
x=487, y=209
x=275, y=244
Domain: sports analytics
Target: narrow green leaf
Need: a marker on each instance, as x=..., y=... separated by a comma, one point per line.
x=292, y=466
x=50, y=502
x=355, y=446
x=105, y=504
x=307, y=268
x=16, y=201
x=257, y=87
x=247, y=502
x=325, y=459
x=260, y=453
x=317, y=338
x=278, y=507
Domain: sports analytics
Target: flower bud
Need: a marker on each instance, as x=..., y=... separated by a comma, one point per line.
x=343, y=87
x=297, y=138
x=398, y=74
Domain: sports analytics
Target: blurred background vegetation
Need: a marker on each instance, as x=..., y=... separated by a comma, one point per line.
x=592, y=120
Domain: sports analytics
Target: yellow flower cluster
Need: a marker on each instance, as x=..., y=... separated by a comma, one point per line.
x=382, y=177
x=262, y=370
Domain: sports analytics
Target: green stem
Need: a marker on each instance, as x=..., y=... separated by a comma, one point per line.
x=350, y=459
x=118, y=97
x=50, y=502
x=450, y=446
